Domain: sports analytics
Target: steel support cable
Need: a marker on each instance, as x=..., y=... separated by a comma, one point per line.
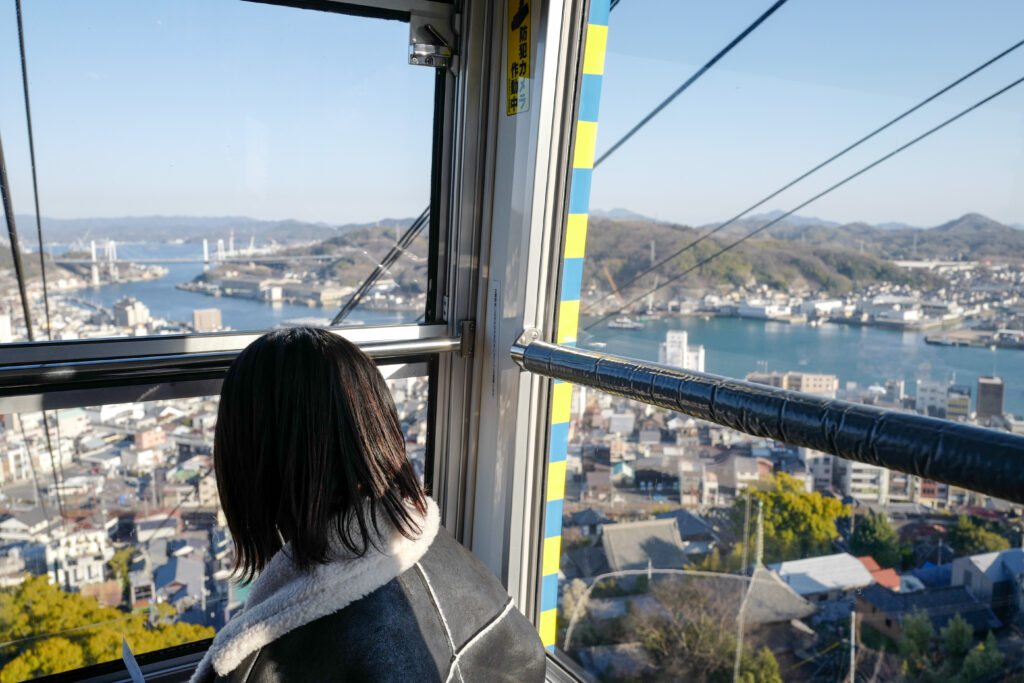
x=400, y=247
x=32, y=159
x=813, y=199
x=12, y=233
x=375, y=275
x=815, y=169
x=690, y=81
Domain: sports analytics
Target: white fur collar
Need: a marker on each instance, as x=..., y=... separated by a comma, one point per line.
x=284, y=598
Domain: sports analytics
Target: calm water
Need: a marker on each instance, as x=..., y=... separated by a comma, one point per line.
x=165, y=301
x=864, y=355
x=734, y=347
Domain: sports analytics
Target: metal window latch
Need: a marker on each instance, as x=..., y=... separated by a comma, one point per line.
x=436, y=53
x=427, y=45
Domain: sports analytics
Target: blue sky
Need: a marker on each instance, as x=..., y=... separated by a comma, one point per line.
x=220, y=107
x=814, y=77
x=215, y=107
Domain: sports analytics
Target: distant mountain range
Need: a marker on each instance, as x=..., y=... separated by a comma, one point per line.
x=188, y=228
x=806, y=254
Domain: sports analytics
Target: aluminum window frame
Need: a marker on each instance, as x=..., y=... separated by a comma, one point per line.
x=430, y=349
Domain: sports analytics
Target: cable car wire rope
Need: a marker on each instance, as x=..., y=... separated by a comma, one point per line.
x=690, y=81
x=423, y=219
x=32, y=160
x=816, y=197
x=801, y=177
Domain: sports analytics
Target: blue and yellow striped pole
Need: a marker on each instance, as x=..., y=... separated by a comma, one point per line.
x=569, y=309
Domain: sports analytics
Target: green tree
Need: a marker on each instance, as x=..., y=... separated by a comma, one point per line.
x=875, y=536
x=917, y=638
x=796, y=523
x=956, y=637
x=692, y=636
x=760, y=668
x=49, y=630
x=984, y=659
x=967, y=538
x=50, y=656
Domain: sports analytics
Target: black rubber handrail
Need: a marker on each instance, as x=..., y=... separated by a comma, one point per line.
x=983, y=460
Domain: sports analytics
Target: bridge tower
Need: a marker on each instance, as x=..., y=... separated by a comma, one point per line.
x=206, y=255
x=94, y=269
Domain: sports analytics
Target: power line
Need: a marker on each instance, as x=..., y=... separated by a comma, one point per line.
x=813, y=199
x=32, y=158
x=12, y=232
x=690, y=81
x=817, y=168
x=403, y=243
x=413, y=230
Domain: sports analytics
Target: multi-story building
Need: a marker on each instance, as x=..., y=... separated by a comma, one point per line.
x=990, y=397
x=677, y=352
x=206, y=319
x=867, y=483
x=130, y=312
x=806, y=382
x=932, y=398
x=818, y=466
x=958, y=406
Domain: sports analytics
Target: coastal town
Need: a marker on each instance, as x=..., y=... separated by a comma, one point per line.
x=651, y=493
x=118, y=503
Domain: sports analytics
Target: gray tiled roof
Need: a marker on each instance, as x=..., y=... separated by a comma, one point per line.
x=690, y=525
x=941, y=604
x=632, y=545
x=770, y=600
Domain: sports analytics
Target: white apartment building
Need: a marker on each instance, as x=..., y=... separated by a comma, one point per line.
x=932, y=398
x=677, y=352
x=867, y=483
x=819, y=468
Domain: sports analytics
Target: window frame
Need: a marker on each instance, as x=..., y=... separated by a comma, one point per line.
x=125, y=369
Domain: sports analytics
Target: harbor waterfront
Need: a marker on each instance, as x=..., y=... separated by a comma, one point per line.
x=735, y=346
x=166, y=301
x=865, y=355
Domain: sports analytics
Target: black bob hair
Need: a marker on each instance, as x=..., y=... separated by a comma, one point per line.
x=308, y=445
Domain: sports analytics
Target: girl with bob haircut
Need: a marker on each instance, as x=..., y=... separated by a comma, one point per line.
x=353, y=577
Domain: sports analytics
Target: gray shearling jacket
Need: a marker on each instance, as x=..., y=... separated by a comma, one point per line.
x=422, y=610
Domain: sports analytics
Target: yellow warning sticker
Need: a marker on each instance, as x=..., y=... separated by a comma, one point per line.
x=518, y=90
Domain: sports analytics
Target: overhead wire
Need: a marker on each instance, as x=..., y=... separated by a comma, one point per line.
x=690, y=81
x=816, y=197
x=12, y=233
x=32, y=159
x=813, y=170
x=423, y=219
x=400, y=247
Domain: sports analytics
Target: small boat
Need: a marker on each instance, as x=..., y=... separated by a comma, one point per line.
x=625, y=323
x=598, y=345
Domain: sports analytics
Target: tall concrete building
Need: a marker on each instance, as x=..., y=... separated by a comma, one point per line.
x=206, y=319
x=808, y=383
x=677, y=352
x=130, y=312
x=990, y=397
x=932, y=398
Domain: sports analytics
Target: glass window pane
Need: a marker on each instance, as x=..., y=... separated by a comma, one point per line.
x=903, y=286
x=680, y=537
x=114, y=527
x=899, y=287
x=213, y=165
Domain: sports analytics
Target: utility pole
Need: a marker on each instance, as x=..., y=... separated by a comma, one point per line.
x=853, y=645
x=746, y=532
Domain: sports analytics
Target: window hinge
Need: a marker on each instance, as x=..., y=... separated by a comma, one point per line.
x=467, y=331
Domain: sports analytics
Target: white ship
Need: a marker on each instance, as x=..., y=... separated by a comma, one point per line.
x=625, y=323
